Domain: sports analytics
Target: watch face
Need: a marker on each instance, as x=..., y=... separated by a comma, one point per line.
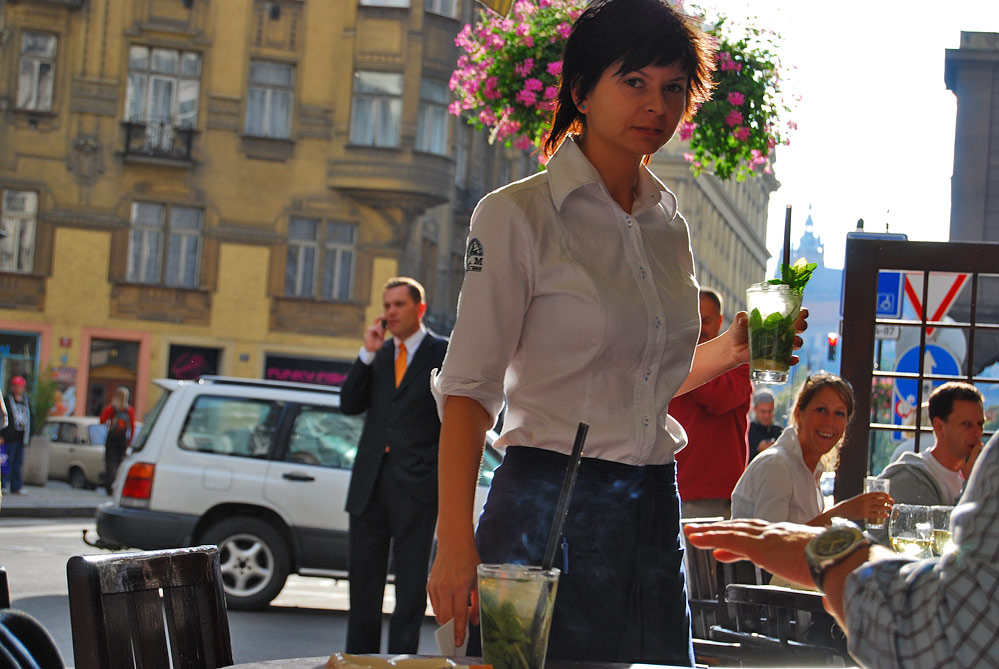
x=835, y=541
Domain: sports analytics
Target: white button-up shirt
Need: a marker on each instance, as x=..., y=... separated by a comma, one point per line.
x=578, y=311
x=778, y=486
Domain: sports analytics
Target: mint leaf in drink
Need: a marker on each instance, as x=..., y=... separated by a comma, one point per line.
x=755, y=320
x=796, y=275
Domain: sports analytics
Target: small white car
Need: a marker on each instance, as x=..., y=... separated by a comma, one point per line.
x=259, y=468
x=76, y=450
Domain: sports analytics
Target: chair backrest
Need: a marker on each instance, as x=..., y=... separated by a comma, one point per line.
x=706, y=582
x=149, y=609
x=4, y=590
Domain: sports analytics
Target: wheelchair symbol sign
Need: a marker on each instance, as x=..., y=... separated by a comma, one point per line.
x=889, y=302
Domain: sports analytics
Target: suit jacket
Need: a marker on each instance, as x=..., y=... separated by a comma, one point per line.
x=404, y=419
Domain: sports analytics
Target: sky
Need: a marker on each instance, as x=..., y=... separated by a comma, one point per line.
x=875, y=136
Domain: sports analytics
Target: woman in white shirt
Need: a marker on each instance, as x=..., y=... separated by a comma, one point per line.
x=580, y=305
x=782, y=482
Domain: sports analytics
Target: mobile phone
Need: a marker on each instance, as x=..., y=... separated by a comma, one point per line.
x=384, y=324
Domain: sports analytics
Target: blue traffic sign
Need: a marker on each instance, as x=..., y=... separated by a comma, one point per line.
x=936, y=360
x=889, y=304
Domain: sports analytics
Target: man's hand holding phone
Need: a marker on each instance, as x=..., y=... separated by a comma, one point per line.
x=374, y=336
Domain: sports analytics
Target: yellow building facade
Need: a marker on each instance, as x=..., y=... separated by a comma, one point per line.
x=223, y=186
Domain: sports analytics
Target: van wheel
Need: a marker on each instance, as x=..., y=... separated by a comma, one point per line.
x=76, y=478
x=255, y=560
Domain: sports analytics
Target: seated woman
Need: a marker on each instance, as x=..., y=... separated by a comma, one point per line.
x=782, y=482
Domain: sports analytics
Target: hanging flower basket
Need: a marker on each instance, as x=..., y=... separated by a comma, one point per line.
x=507, y=80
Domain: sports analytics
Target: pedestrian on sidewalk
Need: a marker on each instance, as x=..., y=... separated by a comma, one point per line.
x=120, y=420
x=16, y=435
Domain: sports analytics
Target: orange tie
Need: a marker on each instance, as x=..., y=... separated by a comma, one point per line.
x=400, y=364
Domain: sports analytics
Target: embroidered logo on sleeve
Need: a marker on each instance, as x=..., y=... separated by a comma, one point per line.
x=474, y=255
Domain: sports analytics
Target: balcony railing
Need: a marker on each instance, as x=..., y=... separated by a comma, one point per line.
x=158, y=140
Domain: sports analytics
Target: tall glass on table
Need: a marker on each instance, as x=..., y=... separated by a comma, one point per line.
x=875, y=484
x=515, y=614
x=773, y=310
x=910, y=530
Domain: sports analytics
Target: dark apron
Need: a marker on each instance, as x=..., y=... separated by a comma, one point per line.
x=622, y=595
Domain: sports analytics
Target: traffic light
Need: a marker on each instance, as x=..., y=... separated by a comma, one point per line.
x=833, y=338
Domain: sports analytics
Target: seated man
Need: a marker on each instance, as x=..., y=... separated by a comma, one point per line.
x=937, y=475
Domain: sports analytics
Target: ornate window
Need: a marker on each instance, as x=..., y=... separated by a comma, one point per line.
x=320, y=259
x=37, y=70
x=17, y=247
x=376, y=113
x=174, y=263
x=163, y=86
x=268, y=99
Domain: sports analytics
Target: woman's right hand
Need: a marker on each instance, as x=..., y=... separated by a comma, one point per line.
x=453, y=587
x=868, y=505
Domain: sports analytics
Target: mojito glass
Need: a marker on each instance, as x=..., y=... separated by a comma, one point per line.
x=515, y=614
x=773, y=310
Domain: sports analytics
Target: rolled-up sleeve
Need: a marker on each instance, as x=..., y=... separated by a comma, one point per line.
x=500, y=261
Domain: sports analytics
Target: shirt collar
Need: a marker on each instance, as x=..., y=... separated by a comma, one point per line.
x=413, y=341
x=788, y=442
x=570, y=169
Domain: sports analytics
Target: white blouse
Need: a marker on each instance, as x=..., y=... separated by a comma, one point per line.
x=577, y=311
x=778, y=486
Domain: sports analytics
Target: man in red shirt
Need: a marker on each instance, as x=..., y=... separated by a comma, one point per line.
x=715, y=417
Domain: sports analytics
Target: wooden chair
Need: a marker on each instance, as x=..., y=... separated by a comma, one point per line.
x=706, y=582
x=145, y=609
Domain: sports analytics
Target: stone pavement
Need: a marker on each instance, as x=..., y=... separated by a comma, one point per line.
x=55, y=499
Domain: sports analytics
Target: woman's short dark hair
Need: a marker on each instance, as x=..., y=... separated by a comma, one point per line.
x=816, y=382
x=636, y=34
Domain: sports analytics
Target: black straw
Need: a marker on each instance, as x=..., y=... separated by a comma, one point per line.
x=562, y=510
x=787, y=240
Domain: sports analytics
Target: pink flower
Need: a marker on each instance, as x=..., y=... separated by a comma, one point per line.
x=564, y=29
x=526, y=97
x=489, y=91
x=533, y=84
x=524, y=29
x=554, y=68
x=734, y=118
x=551, y=92
x=736, y=98
x=454, y=108
x=487, y=117
x=689, y=157
x=687, y=130
x=506, y=128
x=523, y=143
x=741, y=133
x=524, y=67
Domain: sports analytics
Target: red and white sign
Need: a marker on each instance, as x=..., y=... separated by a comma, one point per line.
x=944, y=289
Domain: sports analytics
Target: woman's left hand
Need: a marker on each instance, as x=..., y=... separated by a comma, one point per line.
x=738, y=334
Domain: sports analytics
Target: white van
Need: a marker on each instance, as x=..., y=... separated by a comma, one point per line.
x=259, y=468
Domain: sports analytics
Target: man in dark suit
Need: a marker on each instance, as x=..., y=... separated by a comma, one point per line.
x=393, y=489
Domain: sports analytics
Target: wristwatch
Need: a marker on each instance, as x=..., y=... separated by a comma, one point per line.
x=832, y=547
